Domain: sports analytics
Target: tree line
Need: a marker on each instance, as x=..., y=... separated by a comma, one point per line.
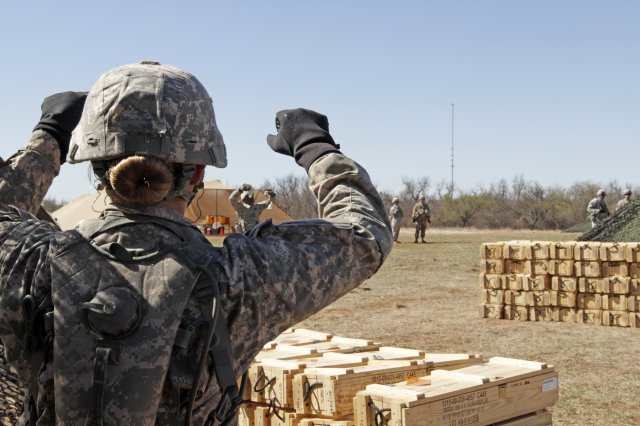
x=516, y=204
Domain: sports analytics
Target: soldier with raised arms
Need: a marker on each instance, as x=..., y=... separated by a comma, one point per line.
x=243, y=200
x=134, y=318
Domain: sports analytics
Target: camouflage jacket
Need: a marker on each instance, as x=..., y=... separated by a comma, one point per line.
x=249, y=214
x=272, y=278
x=395, y=213
x=597, y=207
x=421, y=213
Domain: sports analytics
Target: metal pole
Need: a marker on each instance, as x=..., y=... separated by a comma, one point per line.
x=452, y=122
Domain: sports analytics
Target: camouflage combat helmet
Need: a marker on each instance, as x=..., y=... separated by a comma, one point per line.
x=601, y=192
x=395, y=200
x=148, y=109
x=627, y=191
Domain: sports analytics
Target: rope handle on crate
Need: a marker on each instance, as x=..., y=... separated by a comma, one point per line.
x=378, y=418
x=263, y=377
x=308, y=388
x=273, y=409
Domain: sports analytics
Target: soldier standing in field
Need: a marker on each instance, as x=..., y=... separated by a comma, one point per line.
x=395, y=216
x=597, y=209
x=247, y=209
x=625, y=200
x=421, y=216
x=134, y=317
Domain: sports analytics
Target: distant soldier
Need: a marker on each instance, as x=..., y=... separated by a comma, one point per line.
x=625, y=201
x=598, y=209
x=421, y=216
x=247, y=209
x=395, y=217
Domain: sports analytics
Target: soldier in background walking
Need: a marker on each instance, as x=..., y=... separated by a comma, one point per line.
x=597, y=209
x=625, y=201
x=395, y=217
x=421, y=216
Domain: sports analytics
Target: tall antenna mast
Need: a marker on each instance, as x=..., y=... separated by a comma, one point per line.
x=452, y=122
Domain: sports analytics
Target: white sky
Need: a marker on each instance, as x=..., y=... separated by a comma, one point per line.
x=547, y=89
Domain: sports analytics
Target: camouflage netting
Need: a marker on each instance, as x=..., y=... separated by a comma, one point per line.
x=11, y=393
x=623, y=226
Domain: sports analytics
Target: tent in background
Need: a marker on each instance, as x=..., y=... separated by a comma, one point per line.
x=212, y=200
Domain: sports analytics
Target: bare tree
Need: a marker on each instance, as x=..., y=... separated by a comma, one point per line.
x=413, y=188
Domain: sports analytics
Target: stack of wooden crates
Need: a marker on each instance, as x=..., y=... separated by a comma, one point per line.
x=583, y=282
x=309, y=378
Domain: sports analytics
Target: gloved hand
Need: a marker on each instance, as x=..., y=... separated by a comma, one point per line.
x=60, y=115
x=302, y=134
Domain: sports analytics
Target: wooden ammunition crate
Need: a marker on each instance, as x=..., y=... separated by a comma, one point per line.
x=632, y=252
x=617, y=285
x=562, y=250
x=589, y=285
x=634, y=270
x=516, y=250
x=271, y=416
x=512, y=282
x=562, y=267
x=518, y=313
x=298, y=336
x=492, y=266
x=540, y=250
x=564, y=299
x=540, y=313
x=390, y=353
x=609, y=269
x=538, y=267
x=480, y=395
x=589, y=316
x=616, y=318
x=539, y=418
x=564, y=314
x=491, y=250
x=613, y=252
x=586, y=250
x=490, y=281
x=493, y=297
x=270, y=380
x=568, y=284
x=536, y=282
x=587, y=268
x=512, y=266
x=491, y=311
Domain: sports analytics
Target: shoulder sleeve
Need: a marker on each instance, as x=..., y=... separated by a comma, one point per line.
x=281, y=274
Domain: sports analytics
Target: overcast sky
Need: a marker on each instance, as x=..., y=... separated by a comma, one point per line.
x=547, y=89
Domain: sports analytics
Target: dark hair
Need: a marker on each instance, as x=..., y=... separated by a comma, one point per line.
x=140, y=180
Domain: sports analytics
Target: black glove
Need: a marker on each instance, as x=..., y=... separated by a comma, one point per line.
x=302, y=134
x=60, y=115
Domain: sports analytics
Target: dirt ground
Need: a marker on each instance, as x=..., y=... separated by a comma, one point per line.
x=426, y=297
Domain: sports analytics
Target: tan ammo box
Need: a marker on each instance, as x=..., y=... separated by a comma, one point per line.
x=616, y=285
x=538, y=298
x=568, y=284
x=536, y=282
x=499, y=390
x=298, y=336
x=615, y=318
x=491, y=311
x=512, y=282
x=493, y=297
x=586, y=250
x=540, y=250
x=634, y=270
x=564, y=314
x=492, y=266
x=564, y=299
x=516, y=250
x=490, y=281
x=613, y=252
x=632, y=252
x=634, y=319
x=562, y=267
x=561, y=250
x=518, y=313
x=538, y=267
x=589, y=316
x=589, y=301
x=512, y=266
x=271, y=379
x=540, y=313
x=589, y=285
x=610, y=269
x=539, y=418
x=491, y=250
x=515, y=297
x=270, y=416
x=618, y=302
x=330, y=391
x=587, y=268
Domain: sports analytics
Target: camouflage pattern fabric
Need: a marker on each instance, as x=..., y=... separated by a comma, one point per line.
x=421, y=215
x=622, y=204
x=598, y=211
x=395, y=216
x=248, y=214
x=269, y=279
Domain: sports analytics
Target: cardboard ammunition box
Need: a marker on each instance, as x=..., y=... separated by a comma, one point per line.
x=484, y=394
x=491, y=250
x=568, y=284
x=587, y=250
x=491, y=311
x=536, y=282
x=490, y=281
x=613, y=252
x=512, y=282
x=562, y=250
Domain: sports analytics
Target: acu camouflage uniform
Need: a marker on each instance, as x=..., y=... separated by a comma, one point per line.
x=395, y=216
x=248, y=214
x=421, y=215
x=268, y=280
x=598, y=211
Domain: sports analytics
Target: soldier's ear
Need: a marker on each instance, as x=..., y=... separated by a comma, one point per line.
x=198, y=175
